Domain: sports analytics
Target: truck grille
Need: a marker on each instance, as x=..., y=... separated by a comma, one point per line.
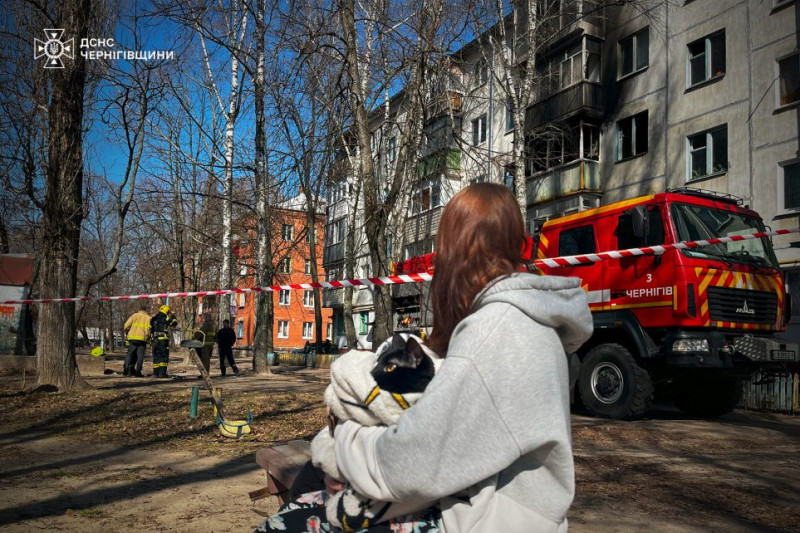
x=741, y=305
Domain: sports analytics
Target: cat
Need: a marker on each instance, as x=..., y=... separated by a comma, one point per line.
x=404, y=367
x=403, y=370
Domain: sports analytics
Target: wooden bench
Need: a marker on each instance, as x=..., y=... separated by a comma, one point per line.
x=282, y=464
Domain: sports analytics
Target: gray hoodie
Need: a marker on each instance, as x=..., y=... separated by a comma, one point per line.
x=490, y=438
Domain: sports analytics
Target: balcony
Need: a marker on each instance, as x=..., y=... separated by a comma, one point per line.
x=446, y=161
x=333, y=253
x=583, y=97
x=333, y=298
x=574, y=177
x=444, y=103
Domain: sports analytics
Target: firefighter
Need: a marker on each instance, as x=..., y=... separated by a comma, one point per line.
x=137, y=328
x=209, y=328
x=160, y=325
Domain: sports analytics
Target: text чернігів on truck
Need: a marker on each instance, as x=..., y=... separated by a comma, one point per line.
x=692, y=322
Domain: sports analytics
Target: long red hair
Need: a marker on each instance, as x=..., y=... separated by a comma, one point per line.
x=480, y=236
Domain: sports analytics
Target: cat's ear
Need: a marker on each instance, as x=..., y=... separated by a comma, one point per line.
x=398, y=343
x=415, y=350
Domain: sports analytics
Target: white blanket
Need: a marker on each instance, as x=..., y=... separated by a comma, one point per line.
x=354, y=395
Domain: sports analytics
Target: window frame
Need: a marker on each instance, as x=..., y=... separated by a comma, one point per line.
x=782, y=208
x=635, y=122
x=287, y=232
x=633, y=39
x=708, y=59
x=284, y=297
x=480, y=73
x=283, y=329
x=307, y=267
x=286, y=265
x=479, y=130
x=391, y=149
x=363, y=323
x=240, y=329
x=308, y=298
x=310, y=327
x=508, y=180
x=333, y=273
x=778, y=105
x=709, y=149
x=430, y=189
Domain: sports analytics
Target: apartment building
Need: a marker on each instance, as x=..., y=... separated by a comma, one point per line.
x=631, y=100
x=293, y=309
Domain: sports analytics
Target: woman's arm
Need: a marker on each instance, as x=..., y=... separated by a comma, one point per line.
x=479, y=414
x=451, y=439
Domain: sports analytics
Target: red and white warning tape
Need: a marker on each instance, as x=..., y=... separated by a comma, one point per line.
x=387, y=280
x=572, y=260
x=554, y=262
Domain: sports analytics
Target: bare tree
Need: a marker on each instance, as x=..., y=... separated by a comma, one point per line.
x=408, y=31
x=62, y=209
x=264, y=269
x=134, y=91
x=233, y=19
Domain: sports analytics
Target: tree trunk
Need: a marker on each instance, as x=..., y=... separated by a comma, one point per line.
x=347, y=316
x=375, y=220
x=262, y=338
x=350, y=265
x=63, y=208
x=4, y=246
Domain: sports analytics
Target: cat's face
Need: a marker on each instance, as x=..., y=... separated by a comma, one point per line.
x=404, y=367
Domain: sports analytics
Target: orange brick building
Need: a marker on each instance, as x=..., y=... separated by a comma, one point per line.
x=294, y=323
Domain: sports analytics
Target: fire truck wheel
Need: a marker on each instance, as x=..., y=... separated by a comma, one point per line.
x=612, y=385
x=707, y=395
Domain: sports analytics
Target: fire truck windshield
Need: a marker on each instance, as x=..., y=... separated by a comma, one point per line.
x=695, y=222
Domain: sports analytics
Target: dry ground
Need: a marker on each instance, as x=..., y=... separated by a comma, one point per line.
x=125, y=455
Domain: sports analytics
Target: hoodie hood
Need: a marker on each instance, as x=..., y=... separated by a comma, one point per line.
x=555, y=301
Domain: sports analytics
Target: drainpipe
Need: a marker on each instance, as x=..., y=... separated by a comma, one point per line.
x=490, y=121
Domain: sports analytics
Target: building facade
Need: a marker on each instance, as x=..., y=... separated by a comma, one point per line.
x=293, y=309
x=630, y=101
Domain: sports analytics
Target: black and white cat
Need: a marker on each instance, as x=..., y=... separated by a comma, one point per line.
x=371, y=389
x=404, y=367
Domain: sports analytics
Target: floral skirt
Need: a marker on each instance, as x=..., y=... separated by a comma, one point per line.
x=306, y=514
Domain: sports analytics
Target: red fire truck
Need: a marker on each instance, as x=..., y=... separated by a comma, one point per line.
x=690, y=323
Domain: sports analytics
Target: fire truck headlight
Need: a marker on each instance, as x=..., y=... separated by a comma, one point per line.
x=691, y=345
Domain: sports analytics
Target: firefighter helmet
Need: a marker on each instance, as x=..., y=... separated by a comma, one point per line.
x=164, y=309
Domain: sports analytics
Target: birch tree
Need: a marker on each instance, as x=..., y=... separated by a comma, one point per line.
x=234, y=19
x=262, y=338
x=408, y=31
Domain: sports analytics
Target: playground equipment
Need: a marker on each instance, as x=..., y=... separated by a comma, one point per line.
x=193, y=340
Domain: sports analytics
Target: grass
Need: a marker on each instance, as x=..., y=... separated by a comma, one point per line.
x=162, y=418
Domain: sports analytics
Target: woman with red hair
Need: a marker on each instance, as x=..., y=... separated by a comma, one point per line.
x=488, y=444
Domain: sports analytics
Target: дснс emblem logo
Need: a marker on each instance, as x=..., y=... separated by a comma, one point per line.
x=53, y=48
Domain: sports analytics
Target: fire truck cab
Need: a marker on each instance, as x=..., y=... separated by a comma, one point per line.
x=690, y=323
